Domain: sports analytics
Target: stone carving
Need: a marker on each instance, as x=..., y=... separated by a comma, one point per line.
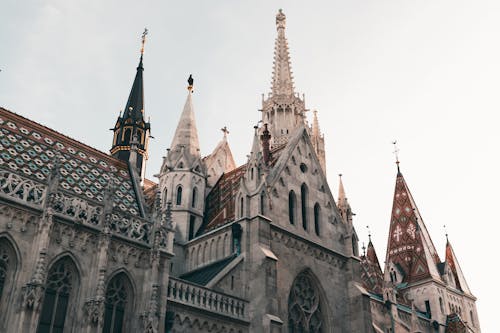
x=76, y=208
x=14, y=215
x=131, y=227
x=94, y=310
x=32, y=295
x=21, y=188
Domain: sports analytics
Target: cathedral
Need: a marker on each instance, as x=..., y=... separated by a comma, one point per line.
x=88, y=244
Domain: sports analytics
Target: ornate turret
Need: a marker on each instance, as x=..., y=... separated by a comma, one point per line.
x=183, y=176
x=132, y=124
x=343, y=204
x=283, y=110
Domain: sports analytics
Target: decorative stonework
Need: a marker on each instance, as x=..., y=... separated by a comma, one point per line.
x=94, y=310
x=21, y=188
x=304, y=311
x=32, y=295
x=308, y=249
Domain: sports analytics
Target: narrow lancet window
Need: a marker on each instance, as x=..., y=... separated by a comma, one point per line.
x=291, y=206
x=178, y=200
x=317, y=218
x=303, y=200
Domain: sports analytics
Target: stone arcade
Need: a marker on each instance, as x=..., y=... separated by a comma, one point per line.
x=87, y=244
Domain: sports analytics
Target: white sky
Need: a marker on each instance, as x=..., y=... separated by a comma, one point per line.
x=423, y=72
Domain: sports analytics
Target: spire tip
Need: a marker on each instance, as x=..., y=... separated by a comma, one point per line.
x=190, y=82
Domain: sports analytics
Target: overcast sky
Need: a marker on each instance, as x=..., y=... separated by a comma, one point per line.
x=424, y=73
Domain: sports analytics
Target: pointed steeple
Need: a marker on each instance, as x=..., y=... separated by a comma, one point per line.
x=409, y=246
x=458, y=275
x=220, y=161
x=342, y=203
x=371, y=273
x=282, y=83
x=132, y=124
x=186, y=134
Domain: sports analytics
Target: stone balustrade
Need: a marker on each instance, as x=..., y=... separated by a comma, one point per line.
x=183, y=292
x=80, y=210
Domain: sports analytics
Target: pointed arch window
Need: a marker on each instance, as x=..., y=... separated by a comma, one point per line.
x=303, y=202
x=127, y=134
x=59, y=288
x=178, y=199
x=241, y=207
x=194, y=198
x=304, y=306
x=8, y=265
x=118, y=299
x=317, y=217
x=291, y=206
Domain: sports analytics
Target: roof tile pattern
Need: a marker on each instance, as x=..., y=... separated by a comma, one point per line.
x=29, y=149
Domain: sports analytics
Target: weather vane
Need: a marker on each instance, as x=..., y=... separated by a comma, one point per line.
x=396, y=151
x=369, y=233
x=225, y=130
x=445, y=232
x=144, y=34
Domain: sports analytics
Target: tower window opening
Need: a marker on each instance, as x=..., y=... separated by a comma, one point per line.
x=178, y=200
x=241, y=207
x=194, y=198
x=192, y=221
x=262, y=203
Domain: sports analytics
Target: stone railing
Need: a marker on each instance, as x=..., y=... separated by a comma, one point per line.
x=80, y=210
x=185, y=293
x=20, y=188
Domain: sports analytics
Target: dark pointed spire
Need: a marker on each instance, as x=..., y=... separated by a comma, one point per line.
x=132, y=124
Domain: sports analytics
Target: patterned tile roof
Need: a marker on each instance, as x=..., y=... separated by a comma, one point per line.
x=28, y=148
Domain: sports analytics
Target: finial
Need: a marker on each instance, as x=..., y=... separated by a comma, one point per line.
x=340, y=175
x=364, y=249
x=225, y=131
x=144, y=34
x=280, y=19
x=396, y=153
x=190, y=82
x=369, y=233
x=445, y=233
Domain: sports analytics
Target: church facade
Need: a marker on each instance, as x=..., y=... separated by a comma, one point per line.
x=88, y=244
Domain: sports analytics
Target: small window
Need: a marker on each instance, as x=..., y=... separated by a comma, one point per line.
x=317, y=217
x=303, y=167
x=241, y=207
x=194, y=199
x=178, y=200
x=291, y=207
x=303, y=200
x=192, y=221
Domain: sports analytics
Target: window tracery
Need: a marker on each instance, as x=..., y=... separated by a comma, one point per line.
x=304, y=309
x=117, y=298
x=60, y=282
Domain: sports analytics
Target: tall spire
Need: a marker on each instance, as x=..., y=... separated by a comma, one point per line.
x=409, y=246
x=282, y=83
x=283, y=110
x=186, y=134
x=132, y=124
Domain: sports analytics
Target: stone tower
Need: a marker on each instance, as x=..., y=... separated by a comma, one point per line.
x=131, y=131
x=183, y=175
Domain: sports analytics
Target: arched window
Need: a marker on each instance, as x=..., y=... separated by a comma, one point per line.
x=317, y=218
x=8, y=266
x=117, y=304
x=304, y=306
x=303, y=201
x=262, y=202
x=241, y=207
x=59, y=289
x=178, y=200
x=251, y=174
x=126, y=135
x=291, y=206
x=441, y=306
x=194, y=199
